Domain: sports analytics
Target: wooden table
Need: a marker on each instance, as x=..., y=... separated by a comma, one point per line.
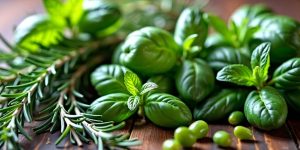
x=287, y=137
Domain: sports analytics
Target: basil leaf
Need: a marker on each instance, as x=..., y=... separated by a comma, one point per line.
x=147, y=87
x=149, y=51
x=282, y=32
x=191, y=22
x=55, y=9
x=132, y=83
x=292, y=98
x=261, y=58
x=238, y=74
x=220, y=26
x=220, y=105
x=112, y=107
x=37, y=30
x=165, y=84
x=194, y=80
x=108, y=79
x=287, y=75
x=224, y=56
x=266, y=109
x=100, y=18
x=167, y=111
x=133, y=102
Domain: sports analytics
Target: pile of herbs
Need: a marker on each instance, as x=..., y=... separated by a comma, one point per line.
x=168, y=79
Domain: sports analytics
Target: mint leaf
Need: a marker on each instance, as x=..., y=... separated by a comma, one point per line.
x=188, y=42
x=132, y=83
x=133, y=102
x=237, y=73
x=147, y=87
x=261, y=58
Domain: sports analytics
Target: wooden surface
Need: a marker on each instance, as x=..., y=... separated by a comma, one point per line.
x=285, y=138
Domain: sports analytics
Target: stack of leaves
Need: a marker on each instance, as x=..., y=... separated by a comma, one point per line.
x=195, y=57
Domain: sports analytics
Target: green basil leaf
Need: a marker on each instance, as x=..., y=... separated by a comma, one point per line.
x=74, y=11
x=147, y=87
x=133, y=102
x=37, y=30
x=249, y=12
x=132, y=83
x=108, y=79
x=220, y=105
x=224, y=56
x=187, y=44
x=283, y=33
x=238, y=74
x=100, y=18
x=191, y=22
x=194, y=80
x=220, y=26
x=165, y=84
x=112, y=107
x=292, y=98
x=261, y=58
x=287, y=75
x=149, y=51
x=266, y=109
x=167, y=111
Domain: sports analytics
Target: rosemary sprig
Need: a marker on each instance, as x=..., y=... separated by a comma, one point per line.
x=69, y=110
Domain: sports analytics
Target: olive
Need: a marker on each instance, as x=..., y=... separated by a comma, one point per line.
x=171, y=144
x=222, y=138
x=236, y=117
x=199, y=128
x=242, y=133
x=185, y=136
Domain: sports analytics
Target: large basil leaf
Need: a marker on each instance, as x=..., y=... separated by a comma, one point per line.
x=292, y=98
x=165, y=84
x=283, y=33
x=108, y=79
x=167, y=111
x=261, y=59
x=287, y=75
x=219, y=105
x=249, y=12
x=194, y=80
x=149, y=51
x=224, y=56
x=266, y=109
x=112, y=107
x=100, y=18
x=238, y=74
x=191, y=22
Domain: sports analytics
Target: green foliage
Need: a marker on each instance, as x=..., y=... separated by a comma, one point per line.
x=167, y=111
x=149, y=51
x=194, y=80
x=287, y=75
x=266, y=109
x=219, y=105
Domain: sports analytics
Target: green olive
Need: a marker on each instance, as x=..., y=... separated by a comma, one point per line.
x=236, y=117
x=222, y=138
x=199, y=128
x=171, y=144
x=185, y=136
x=242, y=133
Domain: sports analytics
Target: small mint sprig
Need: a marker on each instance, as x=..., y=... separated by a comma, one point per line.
x=137, y=90
x=243, y=75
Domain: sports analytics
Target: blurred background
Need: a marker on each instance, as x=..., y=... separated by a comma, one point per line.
x=13, y=11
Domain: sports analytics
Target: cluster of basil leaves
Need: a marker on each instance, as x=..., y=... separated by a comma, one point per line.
x=191, y=58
